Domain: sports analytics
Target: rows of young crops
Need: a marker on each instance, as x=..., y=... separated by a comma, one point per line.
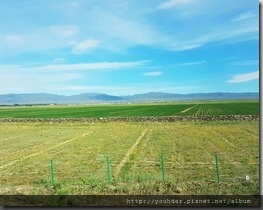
x=93, y=111
x=204, y=109
x=165, y=109
x=222, y=109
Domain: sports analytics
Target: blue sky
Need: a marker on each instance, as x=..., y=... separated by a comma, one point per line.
x=127, y=47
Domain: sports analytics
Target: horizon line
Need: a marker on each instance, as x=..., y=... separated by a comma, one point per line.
x=100, y=93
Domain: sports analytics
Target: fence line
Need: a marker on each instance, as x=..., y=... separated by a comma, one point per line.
x=162, y=165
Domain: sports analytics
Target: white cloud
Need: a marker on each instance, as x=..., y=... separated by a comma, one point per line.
x=245, y=16
x=153, y=73
x=21, y=79
x=38, y=40
x=244, y=77
x=192, y=63
x=90, y=66
x=85, y=46
x=24, y=81
x=202, y=22
x=14, y=75
x=109, y=66
x=172, y=3
x=65, y=30
x=185, y=46
x=245, y=63
x=227, y=33
x=58, y=60
x=121, y=32
x=15, y=39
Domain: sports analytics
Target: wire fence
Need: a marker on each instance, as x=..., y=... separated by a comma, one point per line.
x=102, y=174
x=162, y=170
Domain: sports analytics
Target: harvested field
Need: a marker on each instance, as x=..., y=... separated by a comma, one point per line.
x=79, y=151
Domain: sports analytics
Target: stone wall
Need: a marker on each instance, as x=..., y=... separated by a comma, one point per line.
x=139, y=119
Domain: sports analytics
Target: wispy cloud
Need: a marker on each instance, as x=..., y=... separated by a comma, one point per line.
x=244, y=77
x=15, y=38
x=58, y=77
x=56, y=67
x=221, y=33
x=245, y=16
x=13, y=81
x=91, y=66
x=26, y=81
x=172, y=3
x=120, y=32
x=65, y=30
x=40, y=40
x=58, y=60
x=185, y=46
x=245, y=63
x=85, y=46
x=96, y=41
x=153, y=73
x=192, y=63
x=206, y=24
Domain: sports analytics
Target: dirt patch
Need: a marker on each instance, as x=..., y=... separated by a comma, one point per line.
x=127, y=156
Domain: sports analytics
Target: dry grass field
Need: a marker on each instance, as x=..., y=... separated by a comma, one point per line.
x=79, y=152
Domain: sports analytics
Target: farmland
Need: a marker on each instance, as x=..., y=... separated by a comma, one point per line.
x=130, y=157
x=79, y=153
x=117, y=110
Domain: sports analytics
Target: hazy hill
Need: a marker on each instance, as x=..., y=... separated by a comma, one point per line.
x=44, y=98
x=191, y=96
x=34, y=98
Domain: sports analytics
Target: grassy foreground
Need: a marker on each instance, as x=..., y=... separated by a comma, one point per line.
x=79, y=153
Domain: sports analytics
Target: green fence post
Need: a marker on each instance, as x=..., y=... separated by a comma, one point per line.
x=52, y=173
x=162, y=164
x=217, y=169
x=108, y=169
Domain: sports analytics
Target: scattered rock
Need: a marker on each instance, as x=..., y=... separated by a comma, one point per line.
x=139, y=119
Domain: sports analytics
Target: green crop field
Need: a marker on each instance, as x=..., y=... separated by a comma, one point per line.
x=79, y=152
x=165, y=109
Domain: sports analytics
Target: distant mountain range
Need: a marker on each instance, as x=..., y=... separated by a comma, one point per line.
x=45, y=98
